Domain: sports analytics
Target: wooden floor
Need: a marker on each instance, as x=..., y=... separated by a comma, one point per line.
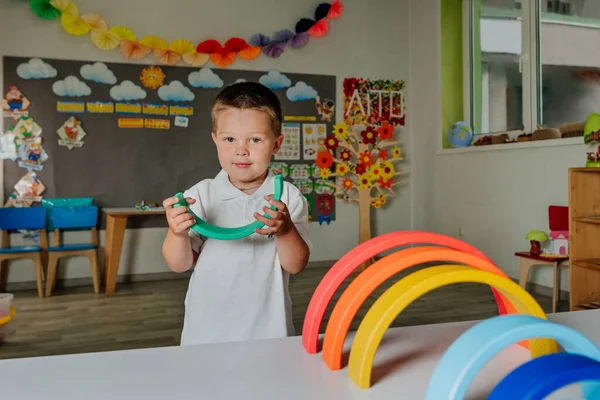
x=150, y=314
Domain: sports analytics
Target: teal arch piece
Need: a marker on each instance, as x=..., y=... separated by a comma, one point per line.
x=205, y=229
x=473, y=349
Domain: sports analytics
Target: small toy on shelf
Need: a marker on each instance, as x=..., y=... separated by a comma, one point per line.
x=144, y=205
x=591, y=134
x=536, y=237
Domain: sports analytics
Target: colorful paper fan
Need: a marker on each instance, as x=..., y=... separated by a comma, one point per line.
x=95, y=21
x=43, y=9
x=123, y=33
x=182, y=46
x=283, y=36
x=304, y=25
x=131, y=49
x=320, y=28
x=223, y=58
x=299, y=40
x=66, y=7
x=167, y=57
x=154, y=42
x=322, y=11
x=250, y=53
x=274, y=49
x=196, y=59
x=236, y=45
x=74, y=25
x=336, y=9
x=209, y=47
x=105, y=40
x=259, y=40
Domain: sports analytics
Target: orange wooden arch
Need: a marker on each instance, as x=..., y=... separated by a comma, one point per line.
x=356, y=257
x=370, y=279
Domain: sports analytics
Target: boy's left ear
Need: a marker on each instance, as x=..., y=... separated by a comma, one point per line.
x=278, y=143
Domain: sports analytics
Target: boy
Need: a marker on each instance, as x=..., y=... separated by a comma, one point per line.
x=239, y=288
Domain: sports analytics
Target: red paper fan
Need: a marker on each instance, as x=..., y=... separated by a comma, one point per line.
x=320, y=28
x=336, y=9
x=236, y=45
x=209, y=47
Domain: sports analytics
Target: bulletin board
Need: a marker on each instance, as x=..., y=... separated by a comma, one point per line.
x=122, y=133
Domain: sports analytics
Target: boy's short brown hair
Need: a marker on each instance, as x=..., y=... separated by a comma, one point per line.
x=249, y=95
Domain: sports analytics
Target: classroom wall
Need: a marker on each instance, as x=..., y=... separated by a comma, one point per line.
x=355, y=46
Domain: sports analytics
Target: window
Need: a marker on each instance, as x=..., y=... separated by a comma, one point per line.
x=530, y=66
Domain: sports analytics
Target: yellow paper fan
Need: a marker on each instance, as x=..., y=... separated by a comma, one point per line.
x=154, y=42
x=95, y=21
x=105, y=40
x=196, y=59
x=123, y=33
x=182, y=46
x=74, y=25
x=66, y=7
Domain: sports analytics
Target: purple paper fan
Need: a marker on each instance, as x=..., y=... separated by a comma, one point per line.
x=322, y=11
x=299, y=40
x=304, y=25
x=273, y=49
x=259, y=40
x=283, y=36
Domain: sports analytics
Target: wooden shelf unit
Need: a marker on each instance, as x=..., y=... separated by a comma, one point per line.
x=584, y=238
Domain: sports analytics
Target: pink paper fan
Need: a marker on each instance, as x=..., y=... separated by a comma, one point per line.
x=274, y=49
x=299, y=40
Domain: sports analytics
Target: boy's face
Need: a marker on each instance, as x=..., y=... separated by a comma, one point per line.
x=245, y=143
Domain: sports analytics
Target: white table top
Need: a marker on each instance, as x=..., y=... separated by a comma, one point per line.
x=133, y=211
x=262, y=369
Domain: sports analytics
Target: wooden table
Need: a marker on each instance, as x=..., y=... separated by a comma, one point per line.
x=528, y=260
x=116, y=222
x=265, y=369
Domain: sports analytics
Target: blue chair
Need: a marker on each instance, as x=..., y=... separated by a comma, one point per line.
x=12, y=219
x=73, y=219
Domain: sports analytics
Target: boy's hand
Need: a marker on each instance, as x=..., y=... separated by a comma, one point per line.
x=280, y=222
x=178, y=218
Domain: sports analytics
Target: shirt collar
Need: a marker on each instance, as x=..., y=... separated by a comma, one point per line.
x=227, y=191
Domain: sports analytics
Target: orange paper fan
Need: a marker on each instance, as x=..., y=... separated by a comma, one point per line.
x=250, y=53
x=223, y=58
x=167, y=57
x=154, y=42
x=131, y=49
x=196, y=59
x=320, y=28
x=105, y=40
x=95, y=21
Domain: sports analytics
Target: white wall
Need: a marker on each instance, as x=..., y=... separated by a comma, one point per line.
x=355, y=46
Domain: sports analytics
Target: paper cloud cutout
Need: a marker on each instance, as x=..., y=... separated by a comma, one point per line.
x=175, y=91
x=36, y=68
x=71, y=86
x=301, y=91
x=205, y=78
x=240, y=80
x=275, y=80
x=98, y=72
x=127, y=91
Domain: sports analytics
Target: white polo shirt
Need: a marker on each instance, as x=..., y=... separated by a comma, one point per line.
x=238, y=290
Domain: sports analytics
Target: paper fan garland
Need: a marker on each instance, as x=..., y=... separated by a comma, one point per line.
x=170, y=54
x=136, y=50
x=44, y=10
x=105, y=40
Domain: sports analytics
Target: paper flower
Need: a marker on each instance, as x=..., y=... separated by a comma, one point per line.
x=396, y=152
x=341, y=169
x=382, y=154
x=386, y=131
x=341, y=131
x=365, y=182
x=346, y=155
x=324, y=159
x=360, y=169
x=325, y=173
x=347, y=183
x=366, y=158
x=385, y=183
x=331, y=142
x=375, y=171
x=387, y=170
x=369, y=135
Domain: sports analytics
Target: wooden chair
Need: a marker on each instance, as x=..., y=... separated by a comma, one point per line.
x=73, y=219
x=12, y=219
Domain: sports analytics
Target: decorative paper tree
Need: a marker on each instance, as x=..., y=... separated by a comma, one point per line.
x=363, y=161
